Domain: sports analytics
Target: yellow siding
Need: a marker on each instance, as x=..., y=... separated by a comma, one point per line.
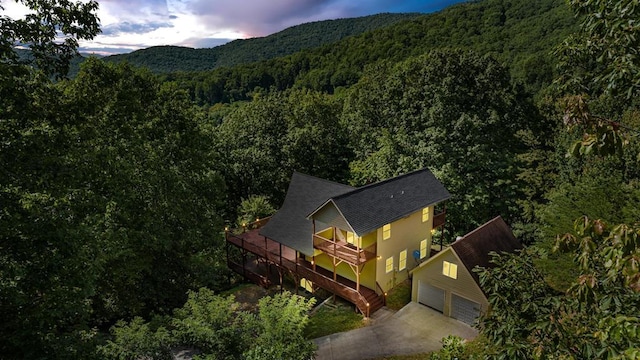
x=406, y=233
x=464, y=285
x=367, y=274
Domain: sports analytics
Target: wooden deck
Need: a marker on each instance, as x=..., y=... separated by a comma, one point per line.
x=287, y=260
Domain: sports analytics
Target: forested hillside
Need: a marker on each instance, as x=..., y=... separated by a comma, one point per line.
x=116, y=185
x=520, y=34
x=162, y=59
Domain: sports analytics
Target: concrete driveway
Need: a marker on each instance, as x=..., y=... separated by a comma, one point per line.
x=412, y=330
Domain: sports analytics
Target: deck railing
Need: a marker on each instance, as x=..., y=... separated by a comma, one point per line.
x=248, y=226
x=344, y=251
x=382, y=293
x=301, y=268
x=439, y=219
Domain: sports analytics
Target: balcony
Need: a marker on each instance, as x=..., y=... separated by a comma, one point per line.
x=439, y=219
x=344, y=251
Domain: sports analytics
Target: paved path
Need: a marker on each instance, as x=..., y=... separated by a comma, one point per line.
x=414, y=329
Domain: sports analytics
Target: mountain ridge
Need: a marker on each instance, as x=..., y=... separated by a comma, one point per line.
x=170, y=58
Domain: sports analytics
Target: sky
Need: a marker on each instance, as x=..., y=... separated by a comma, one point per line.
x=128, y=25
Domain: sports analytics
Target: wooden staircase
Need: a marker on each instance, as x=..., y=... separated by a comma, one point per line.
x=376, y=302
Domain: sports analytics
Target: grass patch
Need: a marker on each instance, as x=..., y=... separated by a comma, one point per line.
x=559, y=269
x=399, y=296
x=331, y=319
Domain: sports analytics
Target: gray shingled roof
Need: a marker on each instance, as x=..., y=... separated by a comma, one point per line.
x=290, y=226
x=474, y=248
x=370, y=207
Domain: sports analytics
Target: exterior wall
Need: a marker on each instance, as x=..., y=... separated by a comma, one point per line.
x=367, y=274
x=406, y=233
x=464, y=285
x=330, y=215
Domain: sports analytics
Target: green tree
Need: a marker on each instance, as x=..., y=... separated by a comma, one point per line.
x=143, y=165
x=280, y=326
x=262, y=142
x=600, y=60
x=108, y=206
x=47, y=269
x=597, y=318
x=212, y=324
x=253, y=208
x=51, y=31
x=452, y=111
x=137, y=339
x=217, y=329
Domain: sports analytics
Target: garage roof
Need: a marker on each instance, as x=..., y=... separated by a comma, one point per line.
x=474, y=248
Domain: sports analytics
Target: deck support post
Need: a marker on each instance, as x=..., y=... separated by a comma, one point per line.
x=281, y=268
x=244, y=260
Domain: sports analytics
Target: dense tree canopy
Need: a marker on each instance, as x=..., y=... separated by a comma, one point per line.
x=109, y=205
x=519, y=33
x=262, y=143
x=451, y=111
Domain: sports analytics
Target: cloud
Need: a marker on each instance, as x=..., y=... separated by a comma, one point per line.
x=259, y=17
x=204, y=42
x=133, y=28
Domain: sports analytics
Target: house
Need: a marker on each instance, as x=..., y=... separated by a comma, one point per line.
x=357, y=243
x=446, y=282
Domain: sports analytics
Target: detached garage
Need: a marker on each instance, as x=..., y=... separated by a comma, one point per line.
x=446, y=282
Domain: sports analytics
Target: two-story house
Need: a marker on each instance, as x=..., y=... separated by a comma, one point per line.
x=357, y=243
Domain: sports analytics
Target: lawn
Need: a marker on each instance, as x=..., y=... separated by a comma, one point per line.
x=399, y=296
x=559, y=269
x=331, y=319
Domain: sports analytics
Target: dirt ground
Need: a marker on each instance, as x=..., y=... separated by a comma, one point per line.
x=248, y=295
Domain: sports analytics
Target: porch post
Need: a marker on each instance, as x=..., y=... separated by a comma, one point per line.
x=444, y=224
x=266, y=260
x=335, y=278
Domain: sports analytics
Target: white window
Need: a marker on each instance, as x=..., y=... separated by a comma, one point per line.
x=386, y=232
x=425, y=214
x=389, y=265
x=402, y=262
x=423, y=248
x=450, y=269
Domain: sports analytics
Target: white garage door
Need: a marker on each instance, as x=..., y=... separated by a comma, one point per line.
x=431, y=296
x=464, y=310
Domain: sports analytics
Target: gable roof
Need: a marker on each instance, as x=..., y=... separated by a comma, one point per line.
x=474, y=248
x=289, y=225
x=370, y=207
